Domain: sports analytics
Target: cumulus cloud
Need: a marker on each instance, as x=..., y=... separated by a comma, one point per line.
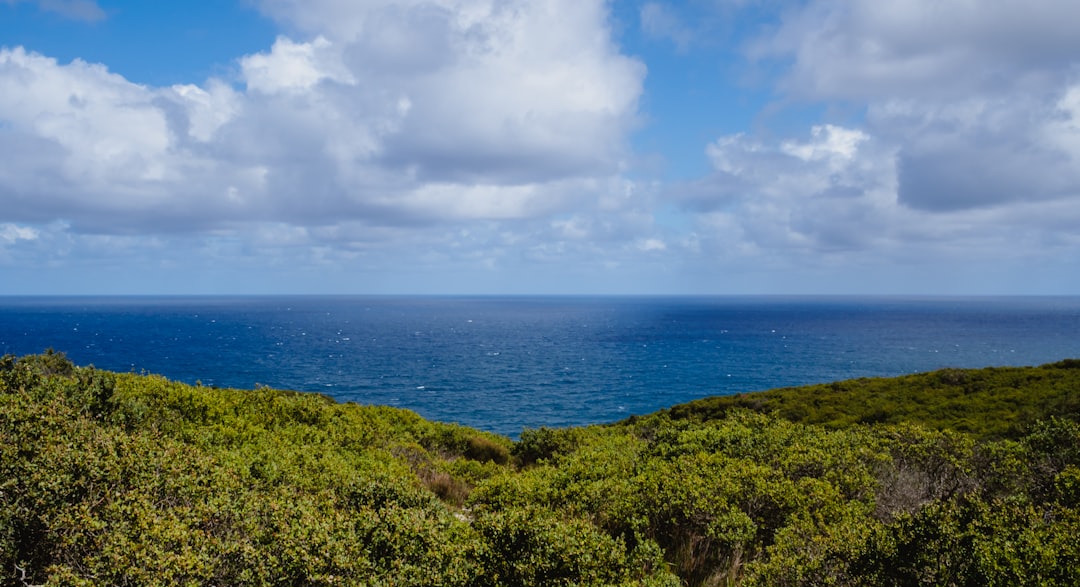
x=842, y=196
x=84, y=137
x=969, y=140
x=389, y=114
x=483, y=133
x=863, y=49
x=493, y=92
x=292, y=67
x=832, y=191
x=984, y=151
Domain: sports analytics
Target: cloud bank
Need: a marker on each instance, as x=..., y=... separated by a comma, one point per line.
x=373, y=125
x=484, y=116
x=496, y=138
x=967, y=147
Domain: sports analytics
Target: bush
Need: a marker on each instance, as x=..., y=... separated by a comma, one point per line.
x=543, y=443
x=128, y=479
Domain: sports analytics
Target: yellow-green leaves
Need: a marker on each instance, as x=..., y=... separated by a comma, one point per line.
x=123, y=479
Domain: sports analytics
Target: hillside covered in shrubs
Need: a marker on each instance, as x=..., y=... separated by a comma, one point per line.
x=958, y=477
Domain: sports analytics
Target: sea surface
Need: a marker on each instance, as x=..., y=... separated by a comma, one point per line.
x=508, y=363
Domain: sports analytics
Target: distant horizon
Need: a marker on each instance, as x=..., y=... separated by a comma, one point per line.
x=538, y=360
x=911, y=296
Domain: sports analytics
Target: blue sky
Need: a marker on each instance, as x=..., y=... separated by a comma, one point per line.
x=558, y=146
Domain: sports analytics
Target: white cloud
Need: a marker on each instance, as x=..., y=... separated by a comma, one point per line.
x=13, y=233
x=444, y=135
x=513, y=99
x=833, y=144
x=838, y=198
x=82, y=134
x=106, y=121
x=865, y=49
x=513, y=93
x=294, y=67
x=205, y=110
x=651, y=244
x=983, y=151
x=833, y=193
x=969, y=148
x=391, y=118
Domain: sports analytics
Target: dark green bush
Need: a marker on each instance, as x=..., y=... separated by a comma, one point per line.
x=543, y=443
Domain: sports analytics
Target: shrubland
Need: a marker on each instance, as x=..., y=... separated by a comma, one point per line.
x=958, y=477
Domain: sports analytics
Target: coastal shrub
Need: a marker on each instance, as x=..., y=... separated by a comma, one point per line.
x=484, y=449
x=534, y=546
x=969, y=541
x=1053, y=446
x=451, y=440
x=925, y=466
x=992, y=403
x=1067, y=487
x=1066, y=364
x=537, y=444
x=131, y=479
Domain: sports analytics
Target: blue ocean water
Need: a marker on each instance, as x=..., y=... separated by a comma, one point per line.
x=506, y=363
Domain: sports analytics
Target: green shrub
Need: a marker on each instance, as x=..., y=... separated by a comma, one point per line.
x=959, y=477
x=544, y=443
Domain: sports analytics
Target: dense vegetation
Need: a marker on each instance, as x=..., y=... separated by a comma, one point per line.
x=991, y=403
x=948, y=478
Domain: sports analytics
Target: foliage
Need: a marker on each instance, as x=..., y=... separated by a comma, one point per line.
x=941, y=478
x=991, y=403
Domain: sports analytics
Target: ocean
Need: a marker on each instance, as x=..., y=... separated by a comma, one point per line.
x=507, y=363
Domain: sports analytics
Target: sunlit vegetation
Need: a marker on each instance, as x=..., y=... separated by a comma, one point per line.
x=959, y=477
x=991, y=403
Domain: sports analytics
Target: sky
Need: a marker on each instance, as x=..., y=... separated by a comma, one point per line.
x=926, y=147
